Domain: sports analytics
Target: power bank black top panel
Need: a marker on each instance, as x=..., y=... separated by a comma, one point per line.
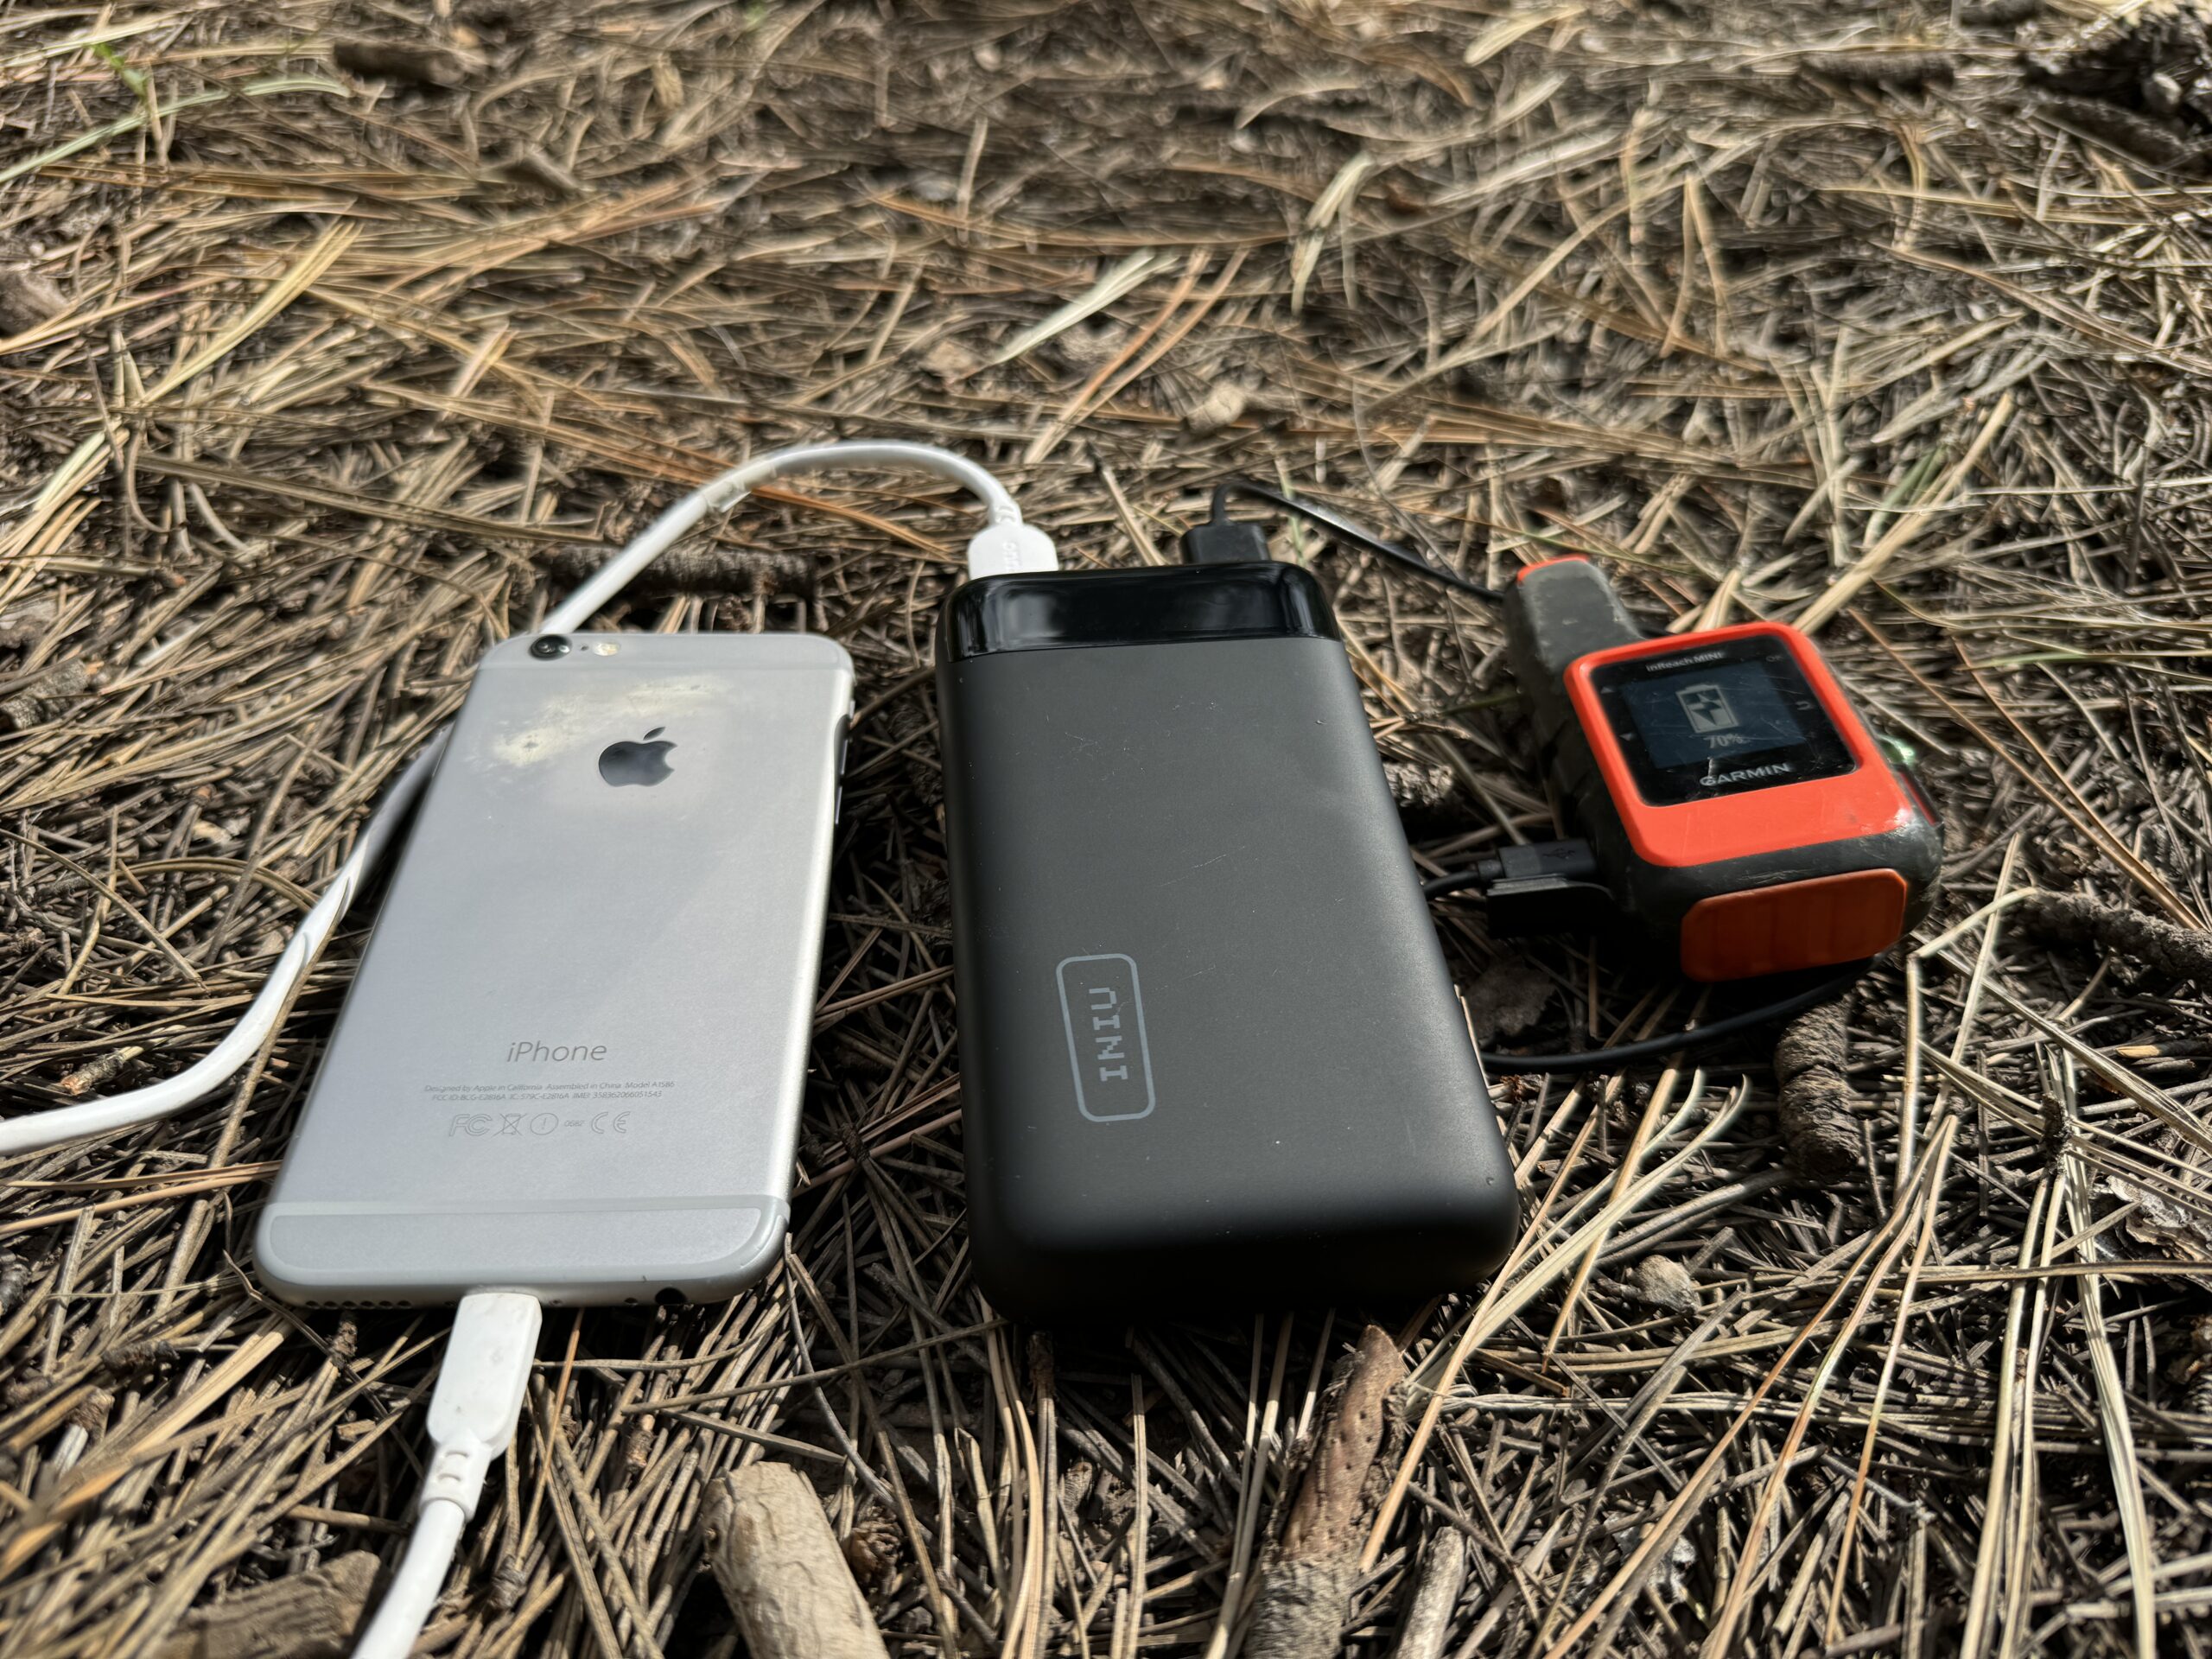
x=1210, y=1049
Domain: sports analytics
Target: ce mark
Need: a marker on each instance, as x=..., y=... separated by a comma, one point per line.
x=611, y=1123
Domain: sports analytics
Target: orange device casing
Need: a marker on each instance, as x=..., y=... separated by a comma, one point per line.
x=1811, y=854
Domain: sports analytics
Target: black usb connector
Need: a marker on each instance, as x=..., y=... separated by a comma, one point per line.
x=1543, y=886
x=1224, y=541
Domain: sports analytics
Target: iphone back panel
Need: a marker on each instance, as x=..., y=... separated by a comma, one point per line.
x=572, y=1060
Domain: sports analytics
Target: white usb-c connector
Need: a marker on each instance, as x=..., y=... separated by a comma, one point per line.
x=1009, y=550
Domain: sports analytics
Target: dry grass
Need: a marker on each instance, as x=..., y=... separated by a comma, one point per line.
x=317, y=383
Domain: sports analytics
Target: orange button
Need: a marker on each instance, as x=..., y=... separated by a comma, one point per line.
x=1811, y=923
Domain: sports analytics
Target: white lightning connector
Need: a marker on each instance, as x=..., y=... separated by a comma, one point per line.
x=481, y=1384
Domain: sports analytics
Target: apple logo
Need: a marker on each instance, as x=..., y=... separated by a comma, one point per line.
x=645, y=764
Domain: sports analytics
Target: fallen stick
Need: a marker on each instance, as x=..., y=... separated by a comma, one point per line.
x=1810, y=1064
x=779, y=1564
x=28, y=299
x=741, y=572
x=48, y=694
x=310, y=1615
x=1305, y=1586
x=2076, y=919
x=413, y=62
x=1443, y=1574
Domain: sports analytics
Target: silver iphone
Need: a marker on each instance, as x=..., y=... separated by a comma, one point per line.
x=572, y=1060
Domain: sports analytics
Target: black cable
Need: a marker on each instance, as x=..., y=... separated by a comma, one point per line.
x=1653, y=1048
x=1231, y=547
x=1544, y=885
x=1457, y=882
x=1343, y=530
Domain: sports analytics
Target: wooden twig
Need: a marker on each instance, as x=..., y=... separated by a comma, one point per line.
x=1429, y=1620
x=1309, y=1576
x=311, y=1615
x=2082, y=921
x=788, y=1582
x=1811, y=1068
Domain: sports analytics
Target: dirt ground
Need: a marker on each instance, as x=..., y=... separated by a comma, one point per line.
x=337, y=341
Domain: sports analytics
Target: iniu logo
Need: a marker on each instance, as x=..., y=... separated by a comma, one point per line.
x=1102, y=1010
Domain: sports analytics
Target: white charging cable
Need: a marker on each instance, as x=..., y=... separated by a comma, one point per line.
x=474, y=1410
x=215, y=1068
x=486, y=1373
x=1005, y=545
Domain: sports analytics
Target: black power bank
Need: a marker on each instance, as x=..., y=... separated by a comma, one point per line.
x=1210, y=1054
